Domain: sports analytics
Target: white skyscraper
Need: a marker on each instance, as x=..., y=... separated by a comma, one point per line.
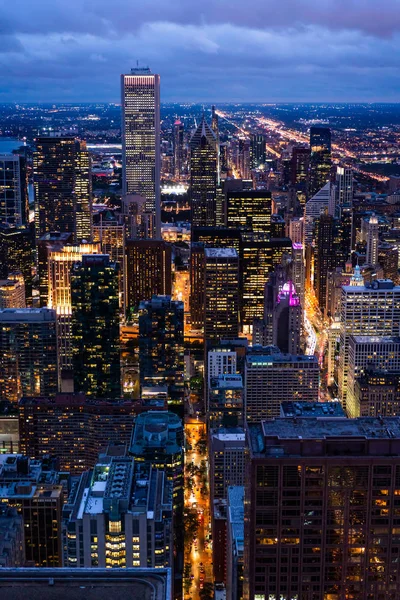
x=140, y=99
x=372, y=241
x=344, y=187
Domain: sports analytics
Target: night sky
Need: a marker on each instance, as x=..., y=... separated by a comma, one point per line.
x=205, y=50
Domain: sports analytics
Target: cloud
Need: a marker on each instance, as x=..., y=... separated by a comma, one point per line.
x=262, y=50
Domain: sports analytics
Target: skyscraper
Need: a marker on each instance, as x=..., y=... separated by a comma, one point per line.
x=161, y=351
x=344, y=187
x=372, y=241
x=325, y=255
x=49, y=242
x=63, y=192
x=13, y=191
x=203, y=175
x=12, y=291
x=95, y=326
x=148, y=271
x=257, y=150
x=110, y=233
x=287, y=320
x=249, y=210
x=320, y=160
x=300, y=165
x=178, y=149
x=16, y=255
x=28, y=353
x=140, y=99
x=221, y=305
x=197, y=269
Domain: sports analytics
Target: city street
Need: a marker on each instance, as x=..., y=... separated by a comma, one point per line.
x=198, y=553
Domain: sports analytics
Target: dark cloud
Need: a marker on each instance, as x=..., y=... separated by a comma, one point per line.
x=213, y=50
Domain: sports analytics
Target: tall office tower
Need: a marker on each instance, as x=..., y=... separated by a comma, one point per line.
x=296, y=230
x=298, y=271
x=215, y=128
x=320, y=158
x=148, y=271
x=119, y=515
x=227, y=460
x=36, y=492
x=316, y=207
x=60, y=263
x=217, y=237
x=137, y=220
x=335, y=281
x=287, y=320
x=388, y=259
x=372, y=241
x=278, y=226
x=178, y=149
x=13, y=191
x=197, y=269
x=344, y=187
x=271, y=379
x=343, y=474
x=244, y=158
x=12, y=553
x=28, y=353
x=49, y=242
x=377, y=394
x=235, y=543
x=325, y=255
x=81, y=427
x=111, y=235
x=249, y=210
x=221, y=301
x=161, y=349
x=258, y=258
x=257, y=150
x=203, y=176
x=345, y=231
x=16, y=255
x=369, y=351
x=221, y=361
x=95, y=326
x=272, y=289
x=63, y=193
x=140, y=92
x=300, y=165
x=12, y=291
x=225, y=405
x=366, y=311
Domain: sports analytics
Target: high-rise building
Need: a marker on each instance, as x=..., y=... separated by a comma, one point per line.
x=298, y=271
x=49, y=242
x=320, y=158
x=140, y=99
x=119, y=515
x=257, y=150
x=215, y=128
x=249, y=210
x=344, y=187
x=221, y=361
x=148, y=271
x=388, y=259
x=178, y=149
x=28, y=353
x=60, y=263
x=16, y=255
x=95, y=326
x=225, y=407
x=12, y=553
x=325, y=254
x=137, y=219
x=12, y=291
x=300, y=165
x=287, y=320
x=315, y=207
x=319, y=495
x=217, y=237
x=111, y=234
x=372, y=241
x=221, y=302
x=80, y=428
x=366, y=311
x=35, y=491
x=63, y=192
x=271, y=379
x=203, y=175
x=161, y=350
x=13, y=191
x=227, y=460
x=197, y=269
x=235, y=542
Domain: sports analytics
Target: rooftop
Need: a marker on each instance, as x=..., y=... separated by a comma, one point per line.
x=27, y=315
x=374, y=339
x=227, y=382
x=281, y=359
x=220, y=253
x=312, y=409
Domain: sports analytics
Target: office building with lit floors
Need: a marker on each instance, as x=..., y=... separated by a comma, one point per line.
x=322, y=509
x=203, y=175
x=287, y=320
x=227, y=460
x=28, y=353
x=148, y=271
x=197, y=268
x=271, y=379
x=16, y=255
x=249, y=210
x=12, y=291
x=119, y=514
x=221, y=303
x=320, y=158
x=95, y=326
x=14, y=192
x=225, y=406
x=377, y=393
x=234, y=542
x=372, y=310
x=161, y=349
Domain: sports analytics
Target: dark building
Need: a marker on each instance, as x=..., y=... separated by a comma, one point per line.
x=278, y=226
x=203, y=175
x=325, y=255
x=388, y=258
x=95, y=326
x=249, y=210
x=161, y=349
x=287, y=320
x=148, y=271
x=13, y=190
x=320, y=159
x=63, y=192
x=217, y=237
x=16, y=254
x=257, y=150
x=300, y=165
x=320, y=495
x=80, y=428
x=197, y=268
x=377, y=393
x=178, y=149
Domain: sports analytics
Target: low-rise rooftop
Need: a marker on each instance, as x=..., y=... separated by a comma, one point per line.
x=312, y=409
